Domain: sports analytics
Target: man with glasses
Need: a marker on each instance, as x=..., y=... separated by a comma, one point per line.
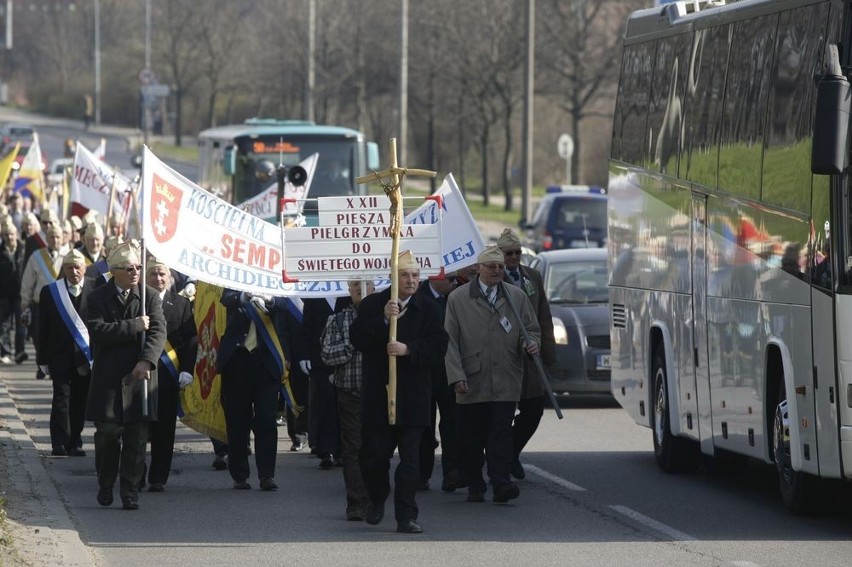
x=485, y=363
x=531, y=405
x=127, y=342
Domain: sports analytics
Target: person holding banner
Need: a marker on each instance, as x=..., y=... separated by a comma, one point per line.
x=420, y=345
x=65, y=354
x=485, y=367
x=531, y=404
x=174, y=370
x=43, y=267
x=128, y=337
x=251, y=359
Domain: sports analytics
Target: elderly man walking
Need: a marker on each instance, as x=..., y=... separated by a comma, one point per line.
x=485, y=365
x=126, y=343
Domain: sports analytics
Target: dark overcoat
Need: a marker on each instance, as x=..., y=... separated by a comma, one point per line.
x=182, y=335
x=118, y=342
x=421, y=329
x=57, y=348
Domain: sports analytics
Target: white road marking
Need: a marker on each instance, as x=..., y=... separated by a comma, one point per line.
x=553, y=478
x=669, y=531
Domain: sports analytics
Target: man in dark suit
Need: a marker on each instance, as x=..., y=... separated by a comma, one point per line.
x=531, y=404
x=174, y=371
x=65, y=354
x=420, y=344
x=251, y=359
x=11, y=270
x=444, y=400
x=127, y=341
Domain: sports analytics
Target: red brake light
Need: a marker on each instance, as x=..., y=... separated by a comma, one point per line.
x=547, y=241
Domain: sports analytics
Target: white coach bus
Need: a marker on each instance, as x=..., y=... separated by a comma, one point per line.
x=730, y=239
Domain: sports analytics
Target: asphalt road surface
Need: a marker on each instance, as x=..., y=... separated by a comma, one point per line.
x=592, y=496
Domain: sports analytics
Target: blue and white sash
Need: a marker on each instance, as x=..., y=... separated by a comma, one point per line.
x=70, y=317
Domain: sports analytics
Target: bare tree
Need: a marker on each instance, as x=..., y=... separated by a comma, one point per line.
x=580, y=55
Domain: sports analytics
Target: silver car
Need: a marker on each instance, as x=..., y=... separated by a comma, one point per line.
x=575, y=282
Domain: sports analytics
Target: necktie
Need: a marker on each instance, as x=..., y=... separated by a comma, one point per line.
x=251, y=338
x=515, y=275
x=74, y=290
x=492, y=294
x=123, y=296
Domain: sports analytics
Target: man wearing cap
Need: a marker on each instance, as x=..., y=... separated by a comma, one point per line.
x=420, y=344
x=127, y=341
x=65, y=354
x=98, y=272
x=93, y=240
x=485, y=364
x=531, y=404
x=11, y=270
x=37, y=241
x=174, y=371
x=43, y=267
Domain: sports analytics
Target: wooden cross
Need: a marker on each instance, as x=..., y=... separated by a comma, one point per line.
x=393, y=190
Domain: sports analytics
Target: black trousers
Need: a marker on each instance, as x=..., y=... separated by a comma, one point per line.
x=377, y=446
x=349, y=413
x=323, y=426
x=120, y=452
x=162, y=431
x=68, y=407
x=526, y=422
x=446, y=405
x=297, y=427
x=250, y=401
x=485, y=435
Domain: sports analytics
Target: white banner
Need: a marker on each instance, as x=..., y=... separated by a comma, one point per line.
x=206, y=238
x=91, y=184
x=265, y=204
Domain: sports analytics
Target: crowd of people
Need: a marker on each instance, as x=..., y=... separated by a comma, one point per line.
x=119, y=344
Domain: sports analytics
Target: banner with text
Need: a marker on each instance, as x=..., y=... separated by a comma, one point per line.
x=202, y=236
x=92, y=182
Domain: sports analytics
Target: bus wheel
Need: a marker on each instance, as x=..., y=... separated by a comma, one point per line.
x=672, y=454
x=802, y=493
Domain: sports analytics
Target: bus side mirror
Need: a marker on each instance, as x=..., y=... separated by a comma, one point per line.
x=831, y=123
x=372, y=156
x=229, y=160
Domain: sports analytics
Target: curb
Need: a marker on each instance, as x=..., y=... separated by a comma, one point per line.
x=45, y=530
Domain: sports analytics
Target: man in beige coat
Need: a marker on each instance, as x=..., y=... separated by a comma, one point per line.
x=485, y=362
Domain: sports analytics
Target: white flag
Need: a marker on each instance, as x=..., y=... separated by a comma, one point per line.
x=91, y=184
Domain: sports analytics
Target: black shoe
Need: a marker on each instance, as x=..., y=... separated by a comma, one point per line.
x=326, y=463
x=297, y=447
x=375, y=514
x=268, y=484
x=219, y=463
x=409, y=527
x=129, y=503
x=506, y=492
x=423, y=486
x=242, y=485
x=156, y=487
x=76, y=452
x=517, y=470
x=105, y=496
x=59, y=452
x=475, y=496
x=21, y=358
x=338, y=462
x=452, y=481
x=40, y=375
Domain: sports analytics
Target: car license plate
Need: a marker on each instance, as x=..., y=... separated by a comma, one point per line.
x=603, y=362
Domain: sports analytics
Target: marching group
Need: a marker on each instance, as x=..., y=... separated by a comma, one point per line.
x=118, y=352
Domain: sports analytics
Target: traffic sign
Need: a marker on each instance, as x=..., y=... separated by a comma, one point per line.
x=147, y=76
x=565, y=146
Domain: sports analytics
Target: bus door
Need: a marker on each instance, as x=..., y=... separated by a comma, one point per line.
x=703, y=430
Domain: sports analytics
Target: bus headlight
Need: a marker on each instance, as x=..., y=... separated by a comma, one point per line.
x=560, y=333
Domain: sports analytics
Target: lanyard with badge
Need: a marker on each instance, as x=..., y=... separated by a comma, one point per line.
x=504, y=321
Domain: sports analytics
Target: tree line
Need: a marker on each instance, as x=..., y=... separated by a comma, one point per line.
x=227, y=60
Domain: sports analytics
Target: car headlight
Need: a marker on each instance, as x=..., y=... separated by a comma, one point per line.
x=560, y=333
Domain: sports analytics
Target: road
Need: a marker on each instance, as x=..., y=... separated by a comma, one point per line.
x=593, y=496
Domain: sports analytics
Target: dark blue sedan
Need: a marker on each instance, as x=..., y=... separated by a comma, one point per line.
x=575, y=282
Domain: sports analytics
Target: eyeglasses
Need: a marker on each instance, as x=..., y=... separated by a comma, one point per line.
x=511, y=252
x=130, y=268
